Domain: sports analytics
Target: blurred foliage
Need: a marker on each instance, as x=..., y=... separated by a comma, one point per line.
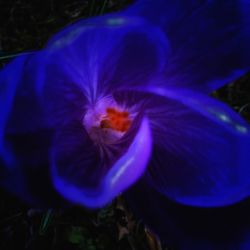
x=26, y=26
x=237, y=95
x=75, y=228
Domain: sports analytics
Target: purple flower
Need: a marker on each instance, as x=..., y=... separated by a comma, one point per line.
x=114, y=98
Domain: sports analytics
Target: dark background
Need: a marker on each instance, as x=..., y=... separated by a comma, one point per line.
x=25, y=26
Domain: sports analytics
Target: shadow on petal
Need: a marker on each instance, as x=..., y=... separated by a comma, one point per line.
x=190, y=228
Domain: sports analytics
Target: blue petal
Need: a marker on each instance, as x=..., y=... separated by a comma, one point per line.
x=108, y=52
x=30, y=178
x=77, y=172
x=201, y=147
x=209, y=40
x=10, y=78
x=59, y=90
x=25, y=136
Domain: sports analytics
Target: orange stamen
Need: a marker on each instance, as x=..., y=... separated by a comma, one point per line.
x=116, y=120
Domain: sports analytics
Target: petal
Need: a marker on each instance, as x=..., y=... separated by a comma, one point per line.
x=59, y=89
x=200, y=154
x=25, y=136
x=29, y=178
x=208, y=48
x=9, y=80
x=190, y=228
x=77, y=173
x=107, y=52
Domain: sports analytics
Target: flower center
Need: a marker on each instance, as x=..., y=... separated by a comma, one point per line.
x=106, y=122
x=116, y=120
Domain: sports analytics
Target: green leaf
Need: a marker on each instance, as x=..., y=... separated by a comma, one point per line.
x=46, y=221
x=76, y=235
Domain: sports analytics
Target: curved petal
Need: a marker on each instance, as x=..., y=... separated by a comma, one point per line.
x=10, y=78
x=190, y=228
x=107, y=52
x=201, y=147
x=81, y=179
x=59, y=90
x=209, y=40
x=29, y=178
x=25, y=136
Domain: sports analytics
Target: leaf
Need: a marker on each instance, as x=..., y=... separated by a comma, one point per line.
x=46, y=221
x=76, y=235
